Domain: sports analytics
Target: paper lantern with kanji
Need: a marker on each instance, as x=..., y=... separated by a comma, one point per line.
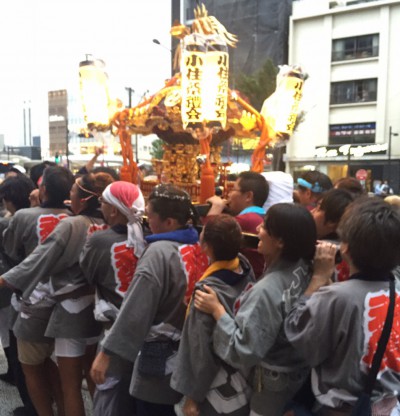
x=204, y=68
x=280, y=110
x=215, y=82
x=93, y=82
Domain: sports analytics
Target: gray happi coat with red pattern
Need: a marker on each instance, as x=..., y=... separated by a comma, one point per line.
x=108, y=264
x=337, y=330
x=27, y=229
x=58, y=257
x=153, y=313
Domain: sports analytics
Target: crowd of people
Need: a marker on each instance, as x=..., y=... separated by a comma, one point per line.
x=163, y=312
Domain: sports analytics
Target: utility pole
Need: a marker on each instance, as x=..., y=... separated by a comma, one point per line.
x=390, y=153
x=24, y=116
x=27, y=129
x=67, y=145
x=130, y=92
x=29, y=125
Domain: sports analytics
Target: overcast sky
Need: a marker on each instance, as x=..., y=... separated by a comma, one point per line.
x=43, y=41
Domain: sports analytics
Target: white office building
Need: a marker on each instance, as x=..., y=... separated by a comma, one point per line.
x=351, y=52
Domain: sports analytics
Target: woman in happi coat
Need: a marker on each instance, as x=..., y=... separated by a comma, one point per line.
x=254, y=338
x=211, y=386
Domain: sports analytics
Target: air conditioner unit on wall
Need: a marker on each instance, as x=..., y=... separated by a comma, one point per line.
x=337, y=3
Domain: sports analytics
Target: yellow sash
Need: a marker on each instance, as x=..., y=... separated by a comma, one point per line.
x=214, y=267
x=220, y=265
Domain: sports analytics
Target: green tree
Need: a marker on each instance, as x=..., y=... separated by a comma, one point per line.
x=157, y=149
x=259, y=85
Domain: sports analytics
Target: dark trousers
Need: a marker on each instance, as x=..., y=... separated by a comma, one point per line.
x=115, y=401
x=153, y=409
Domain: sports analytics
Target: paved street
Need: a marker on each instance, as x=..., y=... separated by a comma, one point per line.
x=9, y=398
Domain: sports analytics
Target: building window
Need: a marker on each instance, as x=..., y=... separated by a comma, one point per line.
x=360, y=133
x=362, y=90
x=355, y=48
x=353, y=2
x=190, y=5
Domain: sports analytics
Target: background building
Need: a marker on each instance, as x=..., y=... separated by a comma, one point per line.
x=58, y=122
x=66, y=123
x=352, y=95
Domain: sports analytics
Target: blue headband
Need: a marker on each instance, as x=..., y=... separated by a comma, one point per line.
x=316, y=188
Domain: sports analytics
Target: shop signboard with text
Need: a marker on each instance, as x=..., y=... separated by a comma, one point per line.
x=348, y=150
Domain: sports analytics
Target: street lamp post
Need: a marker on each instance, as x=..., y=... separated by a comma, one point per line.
x=157, y=42
x=67, y=145
x=391, y=133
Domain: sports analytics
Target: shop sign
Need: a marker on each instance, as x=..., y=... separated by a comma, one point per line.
x=56, y=117
x=351, y=151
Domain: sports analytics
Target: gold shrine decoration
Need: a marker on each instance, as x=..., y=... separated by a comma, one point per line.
x=195, y=104
x=93, y=82
x=205, y=69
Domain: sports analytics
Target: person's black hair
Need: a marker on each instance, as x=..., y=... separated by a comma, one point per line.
x=37, y=171
x=16, y=189
x=334, y=203
x=232, y=177
x=95, y=183
x=169, y=201
x=318, y=180
x=224, y=235
x=295, y=226
x=371, y=228
x=58, y=182
x=352, y=185
x=255, y=182
x=106, y=169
